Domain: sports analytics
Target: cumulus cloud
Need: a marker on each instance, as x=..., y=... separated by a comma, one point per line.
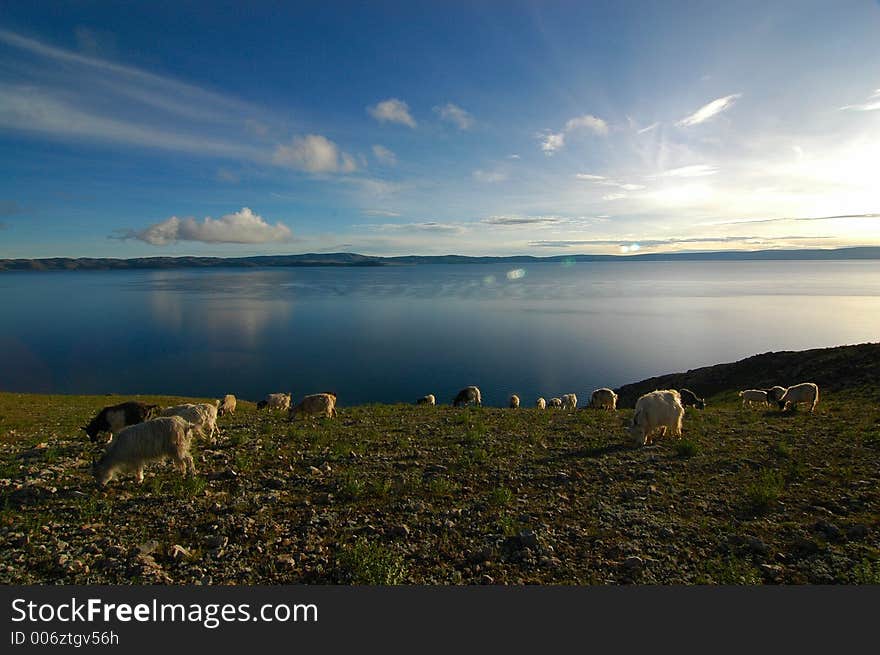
x=314, y=153
x=872, y=104
x=552, y=142
x=589, y=122
x=454, y=114
x=384, y=155
x=392, y=111
x=709, y=110
x=243, y=226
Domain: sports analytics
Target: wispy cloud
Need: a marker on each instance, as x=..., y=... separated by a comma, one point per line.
x=650, y=127
x=710, y=110
x=633, y=245
x=380, y=212
x=384, y=155
x=872, y=104
x=392, y=110
x=695, y=170
x=427, y=226
x=522, y=220
x=454, y=114
x=601, y=180
x=788, y=219
x=489, y=176
x=243, y=226
x=314, y=153
x=552, y=142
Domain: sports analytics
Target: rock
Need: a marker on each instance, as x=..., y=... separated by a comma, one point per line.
x=397, y=531
x=314, y=470
x=803, y=546
x=632, y=566
x=216, y=541
x=831, y=531
x=858, y=531
x=286, y=560
x=487, y=579
x=323, y=499
x=225, y=474
x=273, y=483
x=148, y=547
x=756, y=546
x=667, y=533
x=179, y=553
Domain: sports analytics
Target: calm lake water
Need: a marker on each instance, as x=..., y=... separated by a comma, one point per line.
x=393, y=334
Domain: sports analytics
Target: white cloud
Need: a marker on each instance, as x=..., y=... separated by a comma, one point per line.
x=514, y=156
x=873, y=104
x=587, y=121
x=392, y=111
x=314, y=153
x=696, y=170
x=428, y=226
x=454, y=114
x=601, y=180
x=522, y=220
x=241, y=227
x=709, y=110
x=380, y=212
x=384, y=155
x=648, y=129
x=489, y=176
x=551, y=142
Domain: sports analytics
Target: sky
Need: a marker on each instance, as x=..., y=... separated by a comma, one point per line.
x=391, y=128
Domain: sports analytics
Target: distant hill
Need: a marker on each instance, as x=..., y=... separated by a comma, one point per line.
x=833, y=369
x=354, y=259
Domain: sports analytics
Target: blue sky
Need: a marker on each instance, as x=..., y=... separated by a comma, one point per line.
x=386, y=128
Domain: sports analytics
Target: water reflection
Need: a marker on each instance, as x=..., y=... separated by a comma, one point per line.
x=397, y=333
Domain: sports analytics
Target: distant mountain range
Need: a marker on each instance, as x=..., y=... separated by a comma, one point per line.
x=353, y=259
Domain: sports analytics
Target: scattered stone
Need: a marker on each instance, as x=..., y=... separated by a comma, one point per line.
x=216, y=541
x=148, y=547
x=831, y=531
x=858, y=531
x=397, y=531
x=179, y=553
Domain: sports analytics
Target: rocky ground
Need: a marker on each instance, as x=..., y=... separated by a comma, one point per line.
x=436, y=495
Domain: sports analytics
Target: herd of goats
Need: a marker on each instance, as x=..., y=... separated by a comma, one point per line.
x=147, y=433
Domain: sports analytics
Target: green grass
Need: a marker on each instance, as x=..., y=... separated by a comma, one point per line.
x=462, y=480
x=367, y=562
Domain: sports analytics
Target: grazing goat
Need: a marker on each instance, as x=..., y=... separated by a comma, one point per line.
x=227, y=405
x=276, y=401
x=659, y=410
x=514, y=401
x=202, y=415
x=750, y=396
x=468, y=395
x=604, y=399
x=540, y=403
x=690, y=399
x=775, y=393
x=114, y=418
x=804, y=393
x=555, y=403
x=140, y=444
x=569, y=401
x=316, y=404
x=427, y=400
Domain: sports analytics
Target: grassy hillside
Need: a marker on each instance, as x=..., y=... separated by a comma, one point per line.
x=833, y=369
x=404, y=494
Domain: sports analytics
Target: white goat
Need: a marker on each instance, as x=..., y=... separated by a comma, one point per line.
x=137, y=445
x=202, y=415
x=569, y=401
x=659, y=410
x=604, y=399
x=750, y=396
x=514, y=401
x=227, y=406
x=804, y=393
x=541, y=403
